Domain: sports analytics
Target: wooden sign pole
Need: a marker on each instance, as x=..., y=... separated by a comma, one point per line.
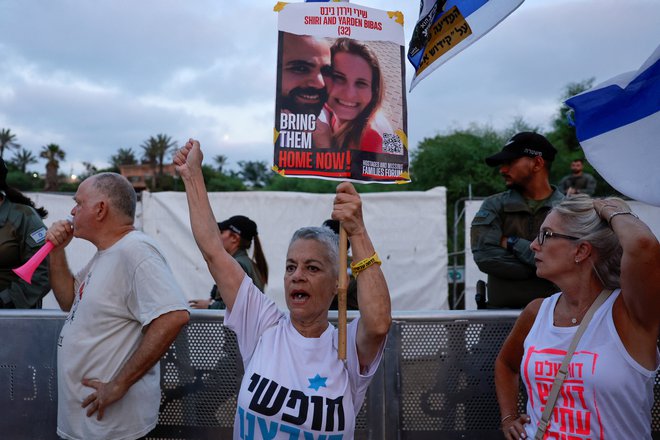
x=341, y=291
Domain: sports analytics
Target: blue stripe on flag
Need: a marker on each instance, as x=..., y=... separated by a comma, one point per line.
x=603, y=110
x=467, y=7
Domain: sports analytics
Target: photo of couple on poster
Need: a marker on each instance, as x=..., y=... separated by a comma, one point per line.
x=340, y=108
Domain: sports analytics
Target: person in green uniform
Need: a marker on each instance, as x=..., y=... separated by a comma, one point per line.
x=507, y=222
x=22, y=233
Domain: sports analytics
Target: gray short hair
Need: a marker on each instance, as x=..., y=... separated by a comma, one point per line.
x=324, y=235
x=579, y=219
x=118, y=191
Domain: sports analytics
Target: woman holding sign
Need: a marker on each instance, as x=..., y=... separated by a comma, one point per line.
x=355, y=93
x=293, y=357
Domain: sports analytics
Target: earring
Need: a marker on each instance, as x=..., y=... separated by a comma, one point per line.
x=577, y=261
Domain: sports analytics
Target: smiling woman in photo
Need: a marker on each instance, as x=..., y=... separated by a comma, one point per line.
x=355, y=86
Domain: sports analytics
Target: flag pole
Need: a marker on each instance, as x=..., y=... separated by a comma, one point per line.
x=341, y=291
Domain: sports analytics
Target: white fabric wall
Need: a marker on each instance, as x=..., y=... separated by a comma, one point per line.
x=649, y=214
x=408, y=230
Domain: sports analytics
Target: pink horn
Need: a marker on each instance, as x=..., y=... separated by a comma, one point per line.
x=26, y=270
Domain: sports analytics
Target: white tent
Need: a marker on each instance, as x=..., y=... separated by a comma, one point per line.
x=408, y=230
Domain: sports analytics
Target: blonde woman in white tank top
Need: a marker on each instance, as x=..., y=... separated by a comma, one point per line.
x=584, y=246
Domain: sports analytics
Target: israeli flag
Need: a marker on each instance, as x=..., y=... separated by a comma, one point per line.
x=618, y=125
x=446, y=27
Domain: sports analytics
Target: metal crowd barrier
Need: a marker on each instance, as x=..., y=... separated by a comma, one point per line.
x=435, y=381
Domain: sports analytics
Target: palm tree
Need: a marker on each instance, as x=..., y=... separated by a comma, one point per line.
x=155, y=149
x=23, y=158
x=220, y=160
x=90, y=170
x=150, y=157
x=53, y=154
x=7, y=140
x=124, y=156
x=254, y=173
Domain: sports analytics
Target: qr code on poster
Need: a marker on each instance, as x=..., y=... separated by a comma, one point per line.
x=392, y=144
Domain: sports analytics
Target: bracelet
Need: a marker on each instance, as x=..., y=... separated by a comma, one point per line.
x=507, y=417
x=358, y=267
x=614, y=214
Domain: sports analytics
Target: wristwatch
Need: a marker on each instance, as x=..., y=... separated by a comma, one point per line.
x=511, y=242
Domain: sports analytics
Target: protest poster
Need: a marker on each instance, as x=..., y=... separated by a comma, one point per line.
x=446, y=27
x=340, y=108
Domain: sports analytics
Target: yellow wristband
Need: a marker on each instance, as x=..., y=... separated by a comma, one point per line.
x=358, y=267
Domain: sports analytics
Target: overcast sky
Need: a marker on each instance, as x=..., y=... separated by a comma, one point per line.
x=97, y=75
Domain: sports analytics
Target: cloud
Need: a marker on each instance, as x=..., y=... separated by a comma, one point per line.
x=523, y=66
x=97, y=76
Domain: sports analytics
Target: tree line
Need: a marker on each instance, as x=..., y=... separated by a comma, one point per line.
x=454, y=160
x=155, y=152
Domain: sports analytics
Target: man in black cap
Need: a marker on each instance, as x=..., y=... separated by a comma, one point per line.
x=508, y=222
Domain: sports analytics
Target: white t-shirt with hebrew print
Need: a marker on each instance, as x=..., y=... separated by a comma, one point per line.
x=121, y=290
x=294, y=387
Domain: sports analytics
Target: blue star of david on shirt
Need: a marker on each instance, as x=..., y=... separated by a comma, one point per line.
x=317, y=382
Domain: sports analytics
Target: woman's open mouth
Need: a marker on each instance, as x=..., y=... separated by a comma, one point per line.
x=299, y=296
